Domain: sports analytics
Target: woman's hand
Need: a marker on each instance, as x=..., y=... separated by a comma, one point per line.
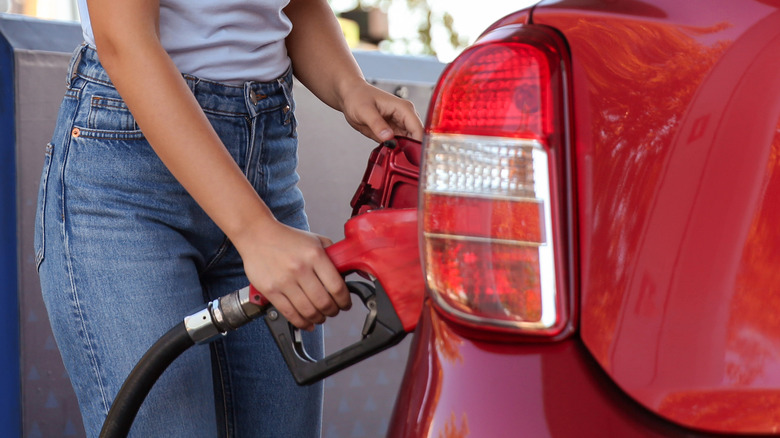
x=290, y=268
x=323, y=63
x=378, y=114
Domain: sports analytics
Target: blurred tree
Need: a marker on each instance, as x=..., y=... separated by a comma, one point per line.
x=429, y=20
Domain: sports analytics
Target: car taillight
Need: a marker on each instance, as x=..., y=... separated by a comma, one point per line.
x=490, y=217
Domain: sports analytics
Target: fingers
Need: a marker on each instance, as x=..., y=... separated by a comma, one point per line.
x=311, y=300
x=319, y=302
x=332, y=280
x=285, y=303
x=402, y=118
x=380, y=128
x=380, y=115
x=297, y=276
x=394, y=117
x=324, y=241
x=333, y=283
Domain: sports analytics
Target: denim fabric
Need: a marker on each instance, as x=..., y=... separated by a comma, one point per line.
x=124, y=253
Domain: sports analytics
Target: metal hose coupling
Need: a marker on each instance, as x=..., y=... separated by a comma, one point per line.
x=222, y=315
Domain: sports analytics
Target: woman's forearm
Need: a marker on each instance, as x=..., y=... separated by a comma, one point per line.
x=159, y=99
x=322, y=60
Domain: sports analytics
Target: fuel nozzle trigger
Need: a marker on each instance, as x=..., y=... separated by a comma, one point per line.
x=382, y=329
x=380, y=243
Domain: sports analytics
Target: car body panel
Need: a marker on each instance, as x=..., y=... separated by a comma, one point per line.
x=459, y=386
x=676, y=140
x=676, y=128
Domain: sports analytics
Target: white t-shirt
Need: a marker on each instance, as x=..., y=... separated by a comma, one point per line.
x=230, y=41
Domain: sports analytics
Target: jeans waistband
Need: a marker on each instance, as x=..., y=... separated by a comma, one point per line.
x=250, y=98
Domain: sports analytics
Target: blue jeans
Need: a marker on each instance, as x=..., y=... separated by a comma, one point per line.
x=124, y=253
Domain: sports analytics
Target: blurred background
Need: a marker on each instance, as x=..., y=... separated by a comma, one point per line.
x=439, y=28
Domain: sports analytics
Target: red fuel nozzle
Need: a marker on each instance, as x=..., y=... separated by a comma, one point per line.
x=380, y=242
x=383, y=244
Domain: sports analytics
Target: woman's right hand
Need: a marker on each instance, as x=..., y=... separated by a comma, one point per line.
x=290, y=268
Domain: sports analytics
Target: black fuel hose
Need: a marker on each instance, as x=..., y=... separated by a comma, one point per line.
x=140, y=381
x=222, y=315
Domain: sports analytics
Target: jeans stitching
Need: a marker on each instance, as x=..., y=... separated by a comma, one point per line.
x=108, y=102
x=221, y=380
x=94, y=79
x=71, y=276
x=258, y=174
x=252, y=144
x=221, y=251
x=100, y=134
x=224, y=386
x=222, y=113
x=49, y=154
x=118, y=111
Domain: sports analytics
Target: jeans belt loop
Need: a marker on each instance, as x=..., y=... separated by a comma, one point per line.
x=74, y=63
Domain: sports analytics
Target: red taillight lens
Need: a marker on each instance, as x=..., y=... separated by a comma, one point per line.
x=496, y=89
x=495, y=219
x=490, y=216
x=505, y=276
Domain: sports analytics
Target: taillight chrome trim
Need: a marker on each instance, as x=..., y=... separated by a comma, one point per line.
x=550, y=315
x=481, y=239
x=481, y=196
x=522, y=325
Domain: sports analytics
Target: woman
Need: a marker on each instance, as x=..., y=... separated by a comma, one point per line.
x=170, y=180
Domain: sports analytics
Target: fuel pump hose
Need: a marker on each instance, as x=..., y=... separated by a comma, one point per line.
x=224, y=314
x=140, y=381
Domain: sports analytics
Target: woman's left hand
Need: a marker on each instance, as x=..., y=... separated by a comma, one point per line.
x=323, y=63
x=378, y=114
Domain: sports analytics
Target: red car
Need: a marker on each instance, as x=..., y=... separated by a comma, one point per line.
x=600, y=220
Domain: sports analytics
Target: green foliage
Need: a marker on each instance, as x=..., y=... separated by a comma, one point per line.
x=429, y=20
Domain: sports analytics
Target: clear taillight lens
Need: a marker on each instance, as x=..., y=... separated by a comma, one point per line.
x=490, y=217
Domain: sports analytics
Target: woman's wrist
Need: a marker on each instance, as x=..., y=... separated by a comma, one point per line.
x=243, y=232
x=345, y=87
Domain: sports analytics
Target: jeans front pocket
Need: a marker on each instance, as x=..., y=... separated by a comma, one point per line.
x=110, y=114
x=39, y=239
